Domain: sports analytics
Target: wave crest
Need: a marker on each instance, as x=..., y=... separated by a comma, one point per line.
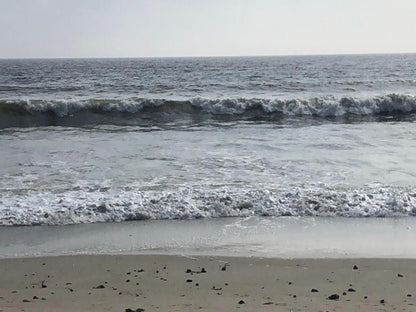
x=96, y=111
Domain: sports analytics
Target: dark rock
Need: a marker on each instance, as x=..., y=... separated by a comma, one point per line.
x=365, y=297
x=203, y=270
x=314, y=290
x=294, y=296
x=188, y=271
x=137, y=310
x=344, y=293
x=128, y=281
x=382, y=301
x=290, y=283
x=351, y=289
x=44, y=284
x=128, y=273
x=355, y=267
x=43, y=298
x=197, y=284
x=35, y=297
x=26, y=300
x=99, y=287
x=409, y=295
x=189, y=281
x=224, y=267
x=140, y=270
x=241, y=302
x=333, y=297
x=268, y=303
x=399, y=275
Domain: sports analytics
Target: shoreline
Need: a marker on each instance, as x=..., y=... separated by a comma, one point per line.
x=282, y=237
x=206, y=283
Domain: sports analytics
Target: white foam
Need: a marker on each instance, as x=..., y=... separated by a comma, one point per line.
x=115, y=205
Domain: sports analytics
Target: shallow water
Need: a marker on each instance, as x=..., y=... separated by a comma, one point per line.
x=283, y=237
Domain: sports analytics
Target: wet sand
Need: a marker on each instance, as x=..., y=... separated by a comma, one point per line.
x=176, y=283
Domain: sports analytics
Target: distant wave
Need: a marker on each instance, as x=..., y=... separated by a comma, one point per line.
x=115, y=205
x=96, y=111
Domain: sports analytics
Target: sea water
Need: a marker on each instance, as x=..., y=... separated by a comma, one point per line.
x=109, y=140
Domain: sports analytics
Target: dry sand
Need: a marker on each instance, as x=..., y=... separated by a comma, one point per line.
x=162, y=283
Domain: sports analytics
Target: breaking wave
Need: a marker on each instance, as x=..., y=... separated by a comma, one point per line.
x=134, y=111
x=108, y=205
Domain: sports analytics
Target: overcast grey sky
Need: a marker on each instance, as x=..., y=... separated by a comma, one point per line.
x=133, y=28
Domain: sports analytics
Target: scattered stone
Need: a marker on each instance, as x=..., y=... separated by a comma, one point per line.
x=128, y=281
x=365, y=297
x=203, y=270
x=99, y=287
x=241, y=301
x=382, y=301
x=35, y=297
x=188, y=271
x=314, y=290
x=294, y=296
x=197, y=284
x=268, y=303
x=213, y=288
x=224, y=267
x=43, y=298
x=351, y=290
x=164, y=268
x=140, y=270
x=344, y=293
x=399, y=275
x=137, y=310
x=409, y=295
x=26, y=300
x=355, y=267
x=333, y=297
x=128, y=273
x=189, y=281
x=44, y=284
x=68, y=283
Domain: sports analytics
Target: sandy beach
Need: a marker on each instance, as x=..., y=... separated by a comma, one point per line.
x=178, y=283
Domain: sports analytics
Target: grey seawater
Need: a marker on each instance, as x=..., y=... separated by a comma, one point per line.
x=71, y=175
x=109, y=140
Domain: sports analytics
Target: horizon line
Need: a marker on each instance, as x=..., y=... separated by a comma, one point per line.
x=203, y=56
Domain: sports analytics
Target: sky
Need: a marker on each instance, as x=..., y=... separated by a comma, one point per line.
x=162, y=28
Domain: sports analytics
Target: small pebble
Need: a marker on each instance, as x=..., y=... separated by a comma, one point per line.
x=333, y=297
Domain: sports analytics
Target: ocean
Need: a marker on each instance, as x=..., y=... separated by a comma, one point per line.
x=110, y=140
